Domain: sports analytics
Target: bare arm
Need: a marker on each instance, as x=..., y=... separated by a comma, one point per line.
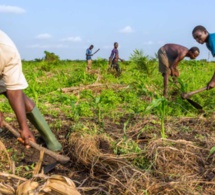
x=118, y=58
x=89, y=54
x=17, y=102
x=177, y=60
x=173, y=67
x=211, y=83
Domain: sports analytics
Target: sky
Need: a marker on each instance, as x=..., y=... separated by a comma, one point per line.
x=68, y=27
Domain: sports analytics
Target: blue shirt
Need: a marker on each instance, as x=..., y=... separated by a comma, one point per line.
x=211, y=43
x=88, y=52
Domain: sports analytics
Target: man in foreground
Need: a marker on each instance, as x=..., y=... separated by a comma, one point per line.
x=12, y=83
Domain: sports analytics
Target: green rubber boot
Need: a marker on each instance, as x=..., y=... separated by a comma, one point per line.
x=37, y=119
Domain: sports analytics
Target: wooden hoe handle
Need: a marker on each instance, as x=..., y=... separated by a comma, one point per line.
x=187, y=95
x=60, y=158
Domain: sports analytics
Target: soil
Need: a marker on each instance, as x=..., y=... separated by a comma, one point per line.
x=197, y=130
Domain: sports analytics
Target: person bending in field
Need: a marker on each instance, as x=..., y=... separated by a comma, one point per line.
x=114, y=58
x=12, y=84
x=169, y=56
x=201, y=35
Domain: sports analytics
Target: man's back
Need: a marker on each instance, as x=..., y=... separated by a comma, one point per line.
x=174, y=51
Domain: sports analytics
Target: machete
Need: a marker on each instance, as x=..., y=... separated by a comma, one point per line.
x=96, y=51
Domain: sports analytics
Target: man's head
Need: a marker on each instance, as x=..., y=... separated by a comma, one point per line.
x=193, y=52
x=91, y=46
x=200, y=34
x=116, y=45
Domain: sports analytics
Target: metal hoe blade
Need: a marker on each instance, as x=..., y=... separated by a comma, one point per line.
x=49, y=167
x=194, y=104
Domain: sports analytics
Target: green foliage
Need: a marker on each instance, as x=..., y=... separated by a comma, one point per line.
x=143, y=63
x=212, y=150
x=159, y=105
x=109, y=99
x=51, y=58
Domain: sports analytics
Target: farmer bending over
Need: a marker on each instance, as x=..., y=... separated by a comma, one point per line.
x=12, y=82
x=169, y=56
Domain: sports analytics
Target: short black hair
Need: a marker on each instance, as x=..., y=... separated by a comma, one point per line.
x=115, y=43
x=193, y=49
x=91, y=45
x=199, y=27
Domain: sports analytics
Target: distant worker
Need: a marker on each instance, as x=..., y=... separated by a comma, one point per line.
x=114, y=57
x=89, y=55
x=201, y=35
x=12, y=83
x=169, y=57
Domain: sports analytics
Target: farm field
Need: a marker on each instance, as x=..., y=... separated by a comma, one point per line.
x=122, y=136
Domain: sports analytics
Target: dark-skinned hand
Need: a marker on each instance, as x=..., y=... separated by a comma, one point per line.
x=26, y=136
x=210, y=85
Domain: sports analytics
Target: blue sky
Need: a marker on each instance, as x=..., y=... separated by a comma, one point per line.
x=68, y=27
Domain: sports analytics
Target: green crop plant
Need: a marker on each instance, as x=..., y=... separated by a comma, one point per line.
x=126, y=146
x=74, y=111
x=109, y=99
x=159, y=105
x=96, y=103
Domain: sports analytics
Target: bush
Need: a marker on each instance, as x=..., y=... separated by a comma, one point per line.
x=51, y=58
x=143, y=62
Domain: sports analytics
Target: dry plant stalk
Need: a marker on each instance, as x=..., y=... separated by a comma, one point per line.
x=5, y=161
x=6, y=189
x=39, y=184
x=53, y=185
x=93, y=87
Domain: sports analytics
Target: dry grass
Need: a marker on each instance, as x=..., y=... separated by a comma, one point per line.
x=120, y=176
x=94, y=87
x=5, y=162
x=179, y=165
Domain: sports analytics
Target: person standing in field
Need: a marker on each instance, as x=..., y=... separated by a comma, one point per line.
x=201, y=35
x=114, y=58
x=169, y=57
x=89, y=57
x=12, y=84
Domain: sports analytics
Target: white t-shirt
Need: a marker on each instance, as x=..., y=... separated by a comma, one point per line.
x=11, y=75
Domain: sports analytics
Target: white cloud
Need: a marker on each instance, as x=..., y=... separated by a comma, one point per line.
x=126, y=29
x=72, y=39
x=153, y=43
x=148, y=43
x=47, y=46
x=43, y=36
x=11, y=9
